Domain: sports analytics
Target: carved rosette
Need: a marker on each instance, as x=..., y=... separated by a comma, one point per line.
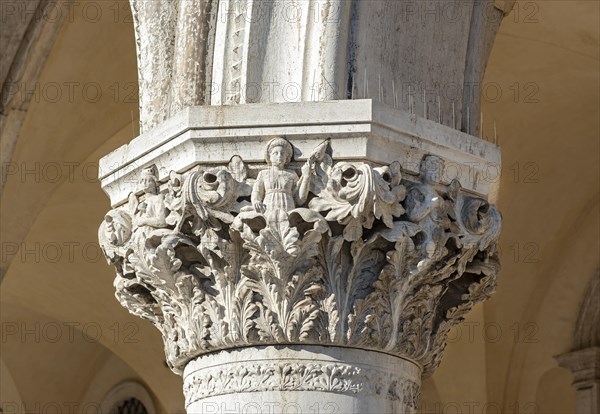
x=324, y=253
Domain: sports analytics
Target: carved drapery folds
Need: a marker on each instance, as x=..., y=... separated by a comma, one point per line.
x=323, y=252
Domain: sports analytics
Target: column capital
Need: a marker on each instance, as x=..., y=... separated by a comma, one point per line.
x=584, y=364
x=301, y=247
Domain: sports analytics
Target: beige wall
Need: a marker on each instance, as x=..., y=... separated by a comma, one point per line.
x=501, y=358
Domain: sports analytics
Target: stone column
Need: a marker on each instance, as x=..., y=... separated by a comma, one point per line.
x=305, y=256
x=426, y=56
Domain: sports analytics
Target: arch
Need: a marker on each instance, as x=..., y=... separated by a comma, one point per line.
x=30, y=40
x=584, y=359
x=554, y=308
x=81, y=83
x=126, y=391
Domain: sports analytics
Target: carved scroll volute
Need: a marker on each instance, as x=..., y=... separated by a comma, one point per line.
x=320, y=252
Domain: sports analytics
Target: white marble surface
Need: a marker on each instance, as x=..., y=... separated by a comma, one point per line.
x=360, y=130
x=342, y=239
x=294, y=379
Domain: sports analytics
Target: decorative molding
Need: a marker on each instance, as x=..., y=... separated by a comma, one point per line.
x=584, y=364
x=280, y=375
x=363, y=130
x=325, y=252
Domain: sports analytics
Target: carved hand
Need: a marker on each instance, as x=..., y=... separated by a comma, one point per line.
x=307, y=167
x=259, y=207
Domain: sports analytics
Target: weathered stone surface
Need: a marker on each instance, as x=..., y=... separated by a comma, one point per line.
x=361, y=130
x=279, y=379
x=304, y=224
x=322, y=251
x=426, y=55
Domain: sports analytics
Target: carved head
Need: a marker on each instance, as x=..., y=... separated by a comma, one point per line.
x=116, y=228
x=149, y=180
x=279, y=151
x=431, y=169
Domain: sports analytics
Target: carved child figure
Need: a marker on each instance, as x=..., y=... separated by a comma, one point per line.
x=151, y=211
x=278, y=187
x=425, y=206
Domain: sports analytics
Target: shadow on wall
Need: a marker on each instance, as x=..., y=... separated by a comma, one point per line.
x=555, y=394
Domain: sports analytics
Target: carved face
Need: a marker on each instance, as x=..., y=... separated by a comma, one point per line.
x=278, y=156
x=117, y=228
x=278, y=152
x=432, y=169
x=149, y=184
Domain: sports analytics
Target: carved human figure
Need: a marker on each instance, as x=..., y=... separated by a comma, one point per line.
x=278, y=187
x=426, y=206
x=117, y=227
x=151, y=211
x=114, y=232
